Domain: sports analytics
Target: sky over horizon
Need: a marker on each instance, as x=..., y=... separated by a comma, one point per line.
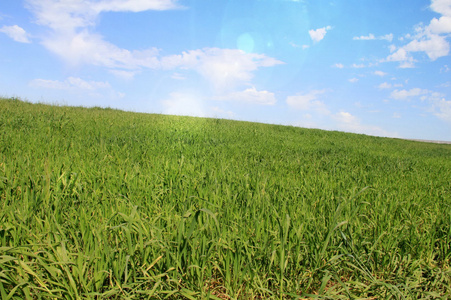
x=376, y=67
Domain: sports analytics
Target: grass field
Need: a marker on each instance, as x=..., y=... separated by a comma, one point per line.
x=104, y=204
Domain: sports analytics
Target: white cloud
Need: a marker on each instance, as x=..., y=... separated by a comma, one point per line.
x=387, y=37
x=178, y=76
x=370, y=37
x=88, y=48
x=430, y=39
x=63, y=16
x=400, y=55
x=384, y=85
x=406, y=65
x=379, y=73
x=356, y=66
x=227, y=66
x=347, y=122
x=339, y=66
x=135, y=5
x=96, y=89
x=404, y=94
x=69, y=83
x=440, y=107
x=318, y=34
x=367, y=38
x=68, y=15
x=353, y=80
x=441, y=6
x=127, y=75
x=49, y=84
x=308, y=102
x=218, y=112
x=73, y=39
x=441, y=25
x=87, y=85
x=16, y=33
x=345, y=118
x=250, y=95
x=443, y=109
x=224, y=68
x=433, y=45
x=299, y=46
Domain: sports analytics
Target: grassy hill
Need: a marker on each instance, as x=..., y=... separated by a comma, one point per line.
x=105, y=204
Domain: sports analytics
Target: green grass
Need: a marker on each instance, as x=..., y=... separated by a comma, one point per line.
x=104, y=204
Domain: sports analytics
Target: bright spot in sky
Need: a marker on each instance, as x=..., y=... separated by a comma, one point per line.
x=245, y=42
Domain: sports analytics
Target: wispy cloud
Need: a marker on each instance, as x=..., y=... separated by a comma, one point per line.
x=348, y=122
x=356, y=66
x=17, y=33
x=365, y=38
x=442, y=109
x=379, y=73
x=250, y=95
x=438, y=105
x=67, y=16
x=308, y=102
x=387, y=37
x=124, y=74
x=370, y=37
x=69, y=83
x=88, y=48
x=77, y=85
x=406, y=94
x=386, y=85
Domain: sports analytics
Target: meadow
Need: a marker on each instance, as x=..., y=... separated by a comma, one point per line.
x=104, y=204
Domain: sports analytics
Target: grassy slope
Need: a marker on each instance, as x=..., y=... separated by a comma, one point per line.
x=106, y=203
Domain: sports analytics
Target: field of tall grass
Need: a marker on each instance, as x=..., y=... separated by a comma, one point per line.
x=104, y=204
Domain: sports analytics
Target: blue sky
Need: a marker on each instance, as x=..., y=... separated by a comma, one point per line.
x=377, y=67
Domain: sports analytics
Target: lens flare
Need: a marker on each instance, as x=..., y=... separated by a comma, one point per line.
x=245, y=42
